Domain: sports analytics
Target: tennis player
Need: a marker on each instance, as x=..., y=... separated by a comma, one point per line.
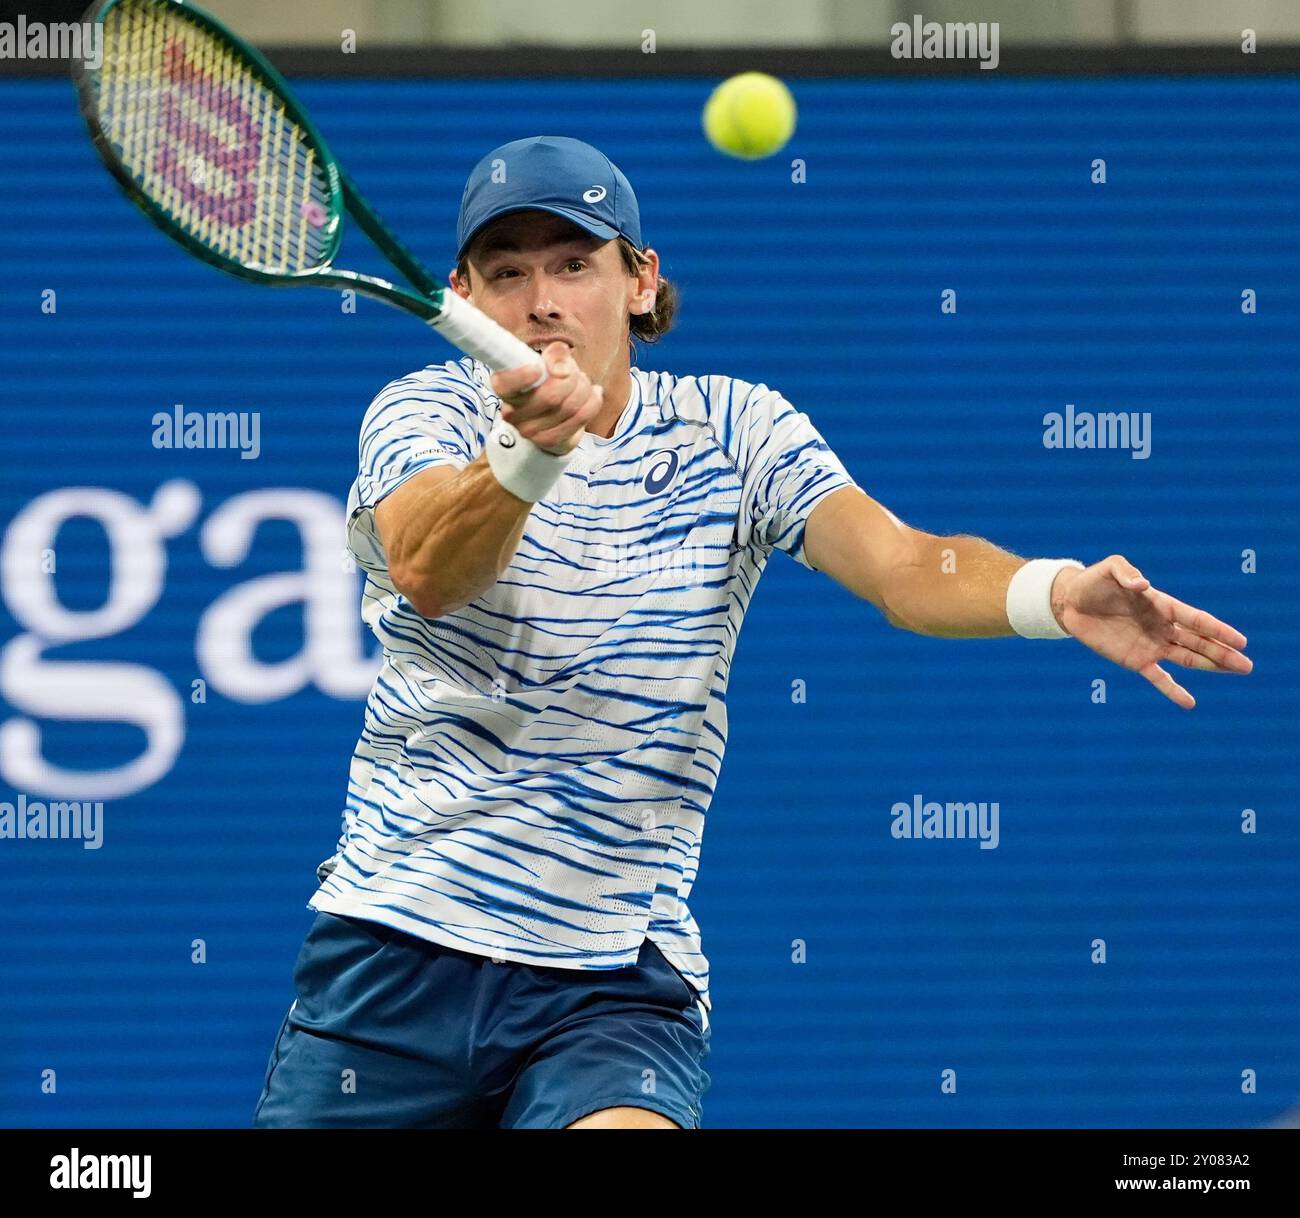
x=558, y=574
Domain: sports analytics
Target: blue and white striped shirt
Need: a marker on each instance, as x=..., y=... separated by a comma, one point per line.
x=534, y=769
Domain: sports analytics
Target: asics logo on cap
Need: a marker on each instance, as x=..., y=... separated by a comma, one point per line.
x=595, y=194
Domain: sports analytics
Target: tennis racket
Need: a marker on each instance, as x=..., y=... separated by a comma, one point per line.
x=207, y=140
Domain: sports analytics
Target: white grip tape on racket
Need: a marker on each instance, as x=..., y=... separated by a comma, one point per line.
x=1029, y=598
x=462, y=325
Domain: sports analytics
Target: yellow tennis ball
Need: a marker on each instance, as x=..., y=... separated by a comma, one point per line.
x=750, y=116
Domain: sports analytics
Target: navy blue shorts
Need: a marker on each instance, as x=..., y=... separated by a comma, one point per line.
x=391, y=1030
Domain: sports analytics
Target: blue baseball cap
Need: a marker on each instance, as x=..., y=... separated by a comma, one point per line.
x=551, y=173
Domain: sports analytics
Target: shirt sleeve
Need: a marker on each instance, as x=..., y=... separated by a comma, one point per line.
x=786, y=469
x=416, y=423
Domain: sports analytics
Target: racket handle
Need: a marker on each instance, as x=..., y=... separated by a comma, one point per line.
x=464, y=326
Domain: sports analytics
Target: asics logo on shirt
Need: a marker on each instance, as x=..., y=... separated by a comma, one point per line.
x=661, y=472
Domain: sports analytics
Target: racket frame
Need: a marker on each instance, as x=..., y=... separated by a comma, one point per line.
x=430, y=303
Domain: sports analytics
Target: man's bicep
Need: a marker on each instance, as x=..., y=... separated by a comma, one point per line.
x=860, y=543
x=397, y=504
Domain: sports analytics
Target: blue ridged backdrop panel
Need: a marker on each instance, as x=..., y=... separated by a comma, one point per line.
x=851, y=970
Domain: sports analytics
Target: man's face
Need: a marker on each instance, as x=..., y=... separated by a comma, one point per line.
x=543, y=278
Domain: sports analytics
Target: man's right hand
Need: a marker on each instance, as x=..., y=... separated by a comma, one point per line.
x=555, y=414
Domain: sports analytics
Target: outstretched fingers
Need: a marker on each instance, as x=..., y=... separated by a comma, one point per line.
x=1199, y=622
x=1167, y=685
x=1196, y=651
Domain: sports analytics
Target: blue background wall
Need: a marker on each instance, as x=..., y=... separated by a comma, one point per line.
x=1118, y=821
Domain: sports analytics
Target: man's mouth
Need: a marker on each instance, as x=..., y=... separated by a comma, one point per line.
x=540, y=344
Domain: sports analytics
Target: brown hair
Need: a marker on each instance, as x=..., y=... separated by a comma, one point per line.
x=645, y=327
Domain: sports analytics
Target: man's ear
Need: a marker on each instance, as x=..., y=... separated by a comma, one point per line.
x=647, y=288
x=458, y=285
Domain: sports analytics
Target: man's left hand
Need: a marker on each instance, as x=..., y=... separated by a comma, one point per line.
x=1112, y=608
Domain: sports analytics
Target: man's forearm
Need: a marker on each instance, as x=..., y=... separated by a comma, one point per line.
x=452, y=541
x=956, y=587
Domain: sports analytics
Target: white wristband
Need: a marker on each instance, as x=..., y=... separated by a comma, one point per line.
x=525, y=470
x=1029, y=598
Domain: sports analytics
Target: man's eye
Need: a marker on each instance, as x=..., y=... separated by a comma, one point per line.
x=503, y=271
x=575, y=262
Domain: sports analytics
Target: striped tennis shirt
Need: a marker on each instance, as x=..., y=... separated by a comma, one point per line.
x=534, y=769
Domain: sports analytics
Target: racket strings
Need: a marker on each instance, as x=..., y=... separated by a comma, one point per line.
x=210, y=142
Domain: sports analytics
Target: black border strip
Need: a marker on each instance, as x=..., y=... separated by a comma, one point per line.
x=460, y=63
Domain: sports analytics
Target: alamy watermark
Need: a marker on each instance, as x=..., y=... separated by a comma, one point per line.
x=1090, y=429
x=38, y=820
x=78, y=1169
x=241, y=429
x=922, y=819
x=952, y=40
x=690, y=564
x=23, y=39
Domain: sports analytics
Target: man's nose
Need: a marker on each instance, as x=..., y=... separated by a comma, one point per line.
x=543, y=304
